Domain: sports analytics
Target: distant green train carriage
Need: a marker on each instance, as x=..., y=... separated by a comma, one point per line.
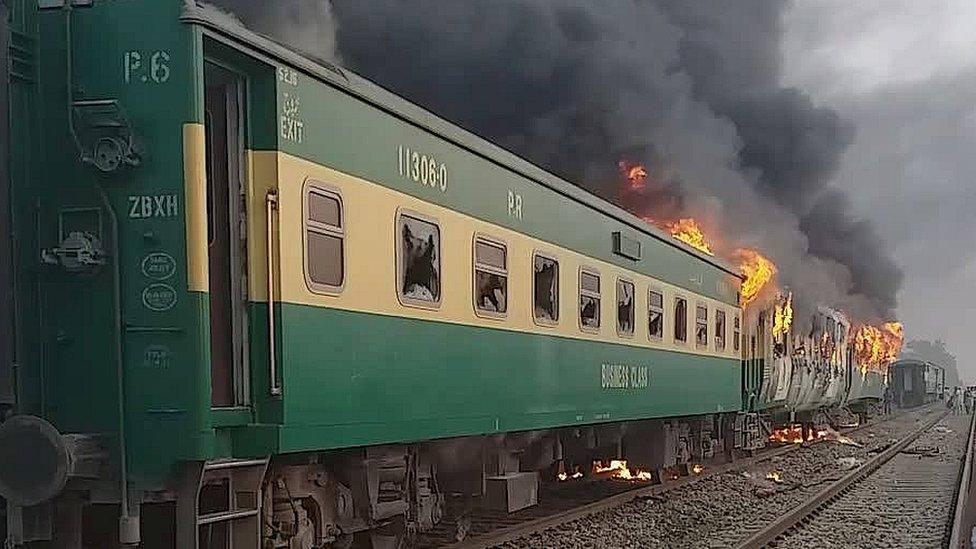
x=444, y=316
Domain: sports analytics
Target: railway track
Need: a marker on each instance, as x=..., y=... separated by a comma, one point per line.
x=578, y=503
x=905, y=496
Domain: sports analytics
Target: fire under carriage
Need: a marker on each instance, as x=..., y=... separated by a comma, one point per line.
x=261, y=302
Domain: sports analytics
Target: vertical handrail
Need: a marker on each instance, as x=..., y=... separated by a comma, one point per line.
x=271, y=204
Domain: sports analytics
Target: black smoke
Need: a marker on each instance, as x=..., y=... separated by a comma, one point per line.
x=689, y=88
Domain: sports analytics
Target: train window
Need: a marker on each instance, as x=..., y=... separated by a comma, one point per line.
x=736, y=333
x=720, y=330
x=701, y=326
x=545, y=289
x=589, y=299
x=324, y=239
x=625, y=307
x=680, y=319
x=655, y=314
x=418, y=260
x=490, y=277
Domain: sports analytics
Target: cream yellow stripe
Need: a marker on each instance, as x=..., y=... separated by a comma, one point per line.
x=195, y=193
x=370, y=211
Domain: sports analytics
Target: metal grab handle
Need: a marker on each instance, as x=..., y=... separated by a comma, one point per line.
x=271, y=204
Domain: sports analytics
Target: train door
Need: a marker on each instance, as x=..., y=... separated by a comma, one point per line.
x=226, y=232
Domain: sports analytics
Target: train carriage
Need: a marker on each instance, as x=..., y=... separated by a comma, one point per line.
x=442, y=313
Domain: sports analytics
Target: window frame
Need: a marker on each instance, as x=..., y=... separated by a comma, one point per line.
x=399, y=267
x=660, y=309
x=588, y=293
x=633, y=306
x=475, y=266
x=701, y=305
x=720, y=313
x=310, y=187
x=674, y=308
x=541, y=321
x=736, y=333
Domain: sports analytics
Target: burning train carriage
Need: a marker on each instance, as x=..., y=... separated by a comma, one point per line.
x=805, y=371
x=307, y=308
x=820, y=367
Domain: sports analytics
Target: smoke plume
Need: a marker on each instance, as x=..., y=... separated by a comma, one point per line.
x=688, y=88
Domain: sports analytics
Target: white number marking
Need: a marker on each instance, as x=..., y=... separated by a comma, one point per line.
x=421, y=168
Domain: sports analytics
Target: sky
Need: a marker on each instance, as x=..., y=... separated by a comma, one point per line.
x=904, y=72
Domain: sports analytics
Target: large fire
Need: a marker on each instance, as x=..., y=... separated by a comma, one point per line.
x=876, y=348
x=758, y=271
x=688, y=231
x=783, y=316
x=618, y=469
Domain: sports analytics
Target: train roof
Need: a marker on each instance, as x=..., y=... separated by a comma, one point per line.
x=366, y=90
x=914, y=362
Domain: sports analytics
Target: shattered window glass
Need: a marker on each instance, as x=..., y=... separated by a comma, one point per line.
x=701, y=325
x=419, y=259
x=490, y=276
x=589, y=300
x=655, y=314
x=680, y=319
x=625, y=307
x=736, y=334
x=546, y=289
x=720, y=330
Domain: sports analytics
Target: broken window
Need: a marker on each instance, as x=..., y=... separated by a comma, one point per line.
x=490, y=276
x=625, y=307
x=655, y=314
x=680, y=319
x=720, y=330
x=736, y=334
x=546, y=289
x=419, y=260
x=701, y=326
x=324, y=239
x=589, y=299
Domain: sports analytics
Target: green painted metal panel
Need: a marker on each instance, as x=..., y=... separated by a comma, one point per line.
x=326, y=125
x=138, y=54
x=353, y=378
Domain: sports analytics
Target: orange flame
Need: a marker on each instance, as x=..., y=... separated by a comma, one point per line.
x=697, y=469
x=783, y=316
x=775, y=476
x=688, y=231
x=758, y=271
x=876, y=348
x=636, y=174
x=796, y=433
x=618, y=469
x=792, y=434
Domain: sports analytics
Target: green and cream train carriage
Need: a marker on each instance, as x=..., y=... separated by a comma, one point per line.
x=444, y=315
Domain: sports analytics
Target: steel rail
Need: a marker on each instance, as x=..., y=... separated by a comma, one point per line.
x=789, y=520
x=959, y=539
x=511, y=533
